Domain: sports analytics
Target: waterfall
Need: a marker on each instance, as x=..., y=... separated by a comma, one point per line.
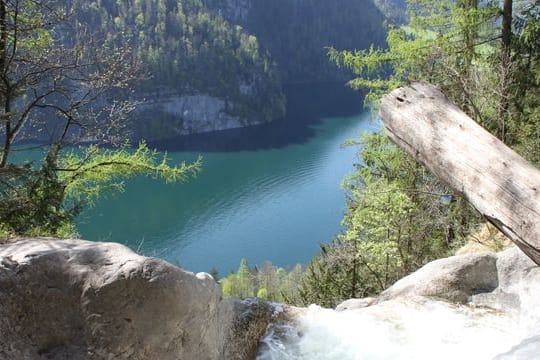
x=398, y=329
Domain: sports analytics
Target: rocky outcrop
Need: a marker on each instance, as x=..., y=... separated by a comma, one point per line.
x=72, y=299
x=506, y=281
x=172, y=115
x=495, y=316
x=454, y=279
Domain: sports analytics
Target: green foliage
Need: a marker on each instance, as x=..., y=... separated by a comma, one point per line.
x=45, y=201
x=266, y=282
x=331, y=276
x=396, y=221
x=456, y=45
x=67, y=90
x=398, y=215
x=444, y=43
x=91, y=170
x=227, y=285
x=32, y=200
x=262, y=294
x=190, y=51
x=524, y=120
x=296, y=33
x=243, y=281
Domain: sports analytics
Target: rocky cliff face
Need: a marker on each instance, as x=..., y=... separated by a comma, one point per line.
x=72, y=299
x=175, y=114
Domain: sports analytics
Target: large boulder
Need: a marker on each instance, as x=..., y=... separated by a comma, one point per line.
x=73, y=299
x=507, y=280
x=495, y=317
x=455, y=279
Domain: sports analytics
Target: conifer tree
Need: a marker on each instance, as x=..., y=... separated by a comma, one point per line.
x=61, y=96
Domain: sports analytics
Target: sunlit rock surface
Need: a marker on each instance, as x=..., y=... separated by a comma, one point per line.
x=455, y=279
x=477, y=306
x=72, y=299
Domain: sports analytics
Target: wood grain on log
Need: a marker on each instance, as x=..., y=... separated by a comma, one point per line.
x=499, y=183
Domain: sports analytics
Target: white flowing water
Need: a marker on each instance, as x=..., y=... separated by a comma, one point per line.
x=421, y=329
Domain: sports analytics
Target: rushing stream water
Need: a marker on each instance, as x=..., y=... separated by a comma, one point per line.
x=423, y=330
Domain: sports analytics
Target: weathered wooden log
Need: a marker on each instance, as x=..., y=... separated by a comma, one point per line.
x=499, y=183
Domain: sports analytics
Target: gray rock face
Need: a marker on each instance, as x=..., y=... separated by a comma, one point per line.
x=454, y=279
x=173, y=114
x=72, y=299
x=242, y=325
x=518, y=290
x=417, y=318
x=508, y=281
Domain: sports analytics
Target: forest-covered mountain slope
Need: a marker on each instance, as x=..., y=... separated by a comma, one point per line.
x=297, y=32
x=221, y=64
x=196, y=61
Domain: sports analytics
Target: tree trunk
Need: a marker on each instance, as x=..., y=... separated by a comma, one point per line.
x=4, y=116
x=505, y=71
x=500, y=184
x=506, y=26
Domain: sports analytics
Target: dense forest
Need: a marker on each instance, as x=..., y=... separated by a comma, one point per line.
x=67, y=87
x=237, y=52
x=187, y=50
x=298, y=33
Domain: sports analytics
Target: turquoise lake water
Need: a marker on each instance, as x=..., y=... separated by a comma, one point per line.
x=261, y=197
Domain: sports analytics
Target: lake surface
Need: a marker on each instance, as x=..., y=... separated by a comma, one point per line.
x=267, y=193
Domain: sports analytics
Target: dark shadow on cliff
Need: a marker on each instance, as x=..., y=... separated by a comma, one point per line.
x=307, y=105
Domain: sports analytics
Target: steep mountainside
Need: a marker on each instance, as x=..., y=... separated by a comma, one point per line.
x=297, y=32
x=200, y=65
x=217, y=64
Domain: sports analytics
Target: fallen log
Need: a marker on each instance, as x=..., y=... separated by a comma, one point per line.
x=499, y=183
